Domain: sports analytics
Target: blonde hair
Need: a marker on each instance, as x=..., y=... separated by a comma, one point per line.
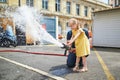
x=75, y=21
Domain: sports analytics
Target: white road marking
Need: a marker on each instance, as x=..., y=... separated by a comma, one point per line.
x=33, y=69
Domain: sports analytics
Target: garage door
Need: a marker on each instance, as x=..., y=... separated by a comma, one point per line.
x=106, y=28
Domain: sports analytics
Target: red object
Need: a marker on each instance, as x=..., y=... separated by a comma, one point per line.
x=90, y=42
x=90, y=39
x=39, y=53
x=60, y=36
x=44, y=26
x=90, y=34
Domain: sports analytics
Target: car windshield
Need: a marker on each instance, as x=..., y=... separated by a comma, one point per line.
x=9, y=31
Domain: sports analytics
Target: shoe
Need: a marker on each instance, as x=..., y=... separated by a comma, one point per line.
x=82, y=70
x=86, y=70
x=76, y=69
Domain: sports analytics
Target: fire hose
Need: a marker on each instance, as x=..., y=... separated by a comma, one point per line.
x=41, y=53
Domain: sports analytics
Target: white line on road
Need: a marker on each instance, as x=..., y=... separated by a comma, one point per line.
x=33, y=69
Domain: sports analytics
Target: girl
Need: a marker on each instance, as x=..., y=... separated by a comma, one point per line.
x=81, y=43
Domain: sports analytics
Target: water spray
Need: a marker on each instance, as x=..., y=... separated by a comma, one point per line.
x=28, y=21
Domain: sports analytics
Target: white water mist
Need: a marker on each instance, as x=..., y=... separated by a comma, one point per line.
x=28, y=20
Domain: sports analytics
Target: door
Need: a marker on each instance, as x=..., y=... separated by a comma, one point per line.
x=50, y=25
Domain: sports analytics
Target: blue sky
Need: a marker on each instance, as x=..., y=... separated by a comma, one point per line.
x=106, y=1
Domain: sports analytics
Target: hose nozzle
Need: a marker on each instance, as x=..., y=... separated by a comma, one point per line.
x=65, y=47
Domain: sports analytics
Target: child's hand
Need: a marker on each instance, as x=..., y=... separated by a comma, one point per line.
x=69, y=43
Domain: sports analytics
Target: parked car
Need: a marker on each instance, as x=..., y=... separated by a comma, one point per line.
x=7, y=37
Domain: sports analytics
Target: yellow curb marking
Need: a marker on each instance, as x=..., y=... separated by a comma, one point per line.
x=104, y=66
x=33, y=69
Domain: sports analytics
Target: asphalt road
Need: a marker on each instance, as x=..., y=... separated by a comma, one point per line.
x=56, y=65
x=9, y=71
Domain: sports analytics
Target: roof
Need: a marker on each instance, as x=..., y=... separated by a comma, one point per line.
x=107, y=9
x=99, y=3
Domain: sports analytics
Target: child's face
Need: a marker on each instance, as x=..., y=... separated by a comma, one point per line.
x=73, y=26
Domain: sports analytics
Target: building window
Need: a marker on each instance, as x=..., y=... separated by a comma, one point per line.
x=57, y=5
x=86, y=11
x=30, y=3
x=86, y=27
x=68, y=7
x=93, y=9
x=117, y=3
x=77, y=9
x=19, y=2
x=45, y=4
x=59, y=28
x=3, y=1
x=67, y=24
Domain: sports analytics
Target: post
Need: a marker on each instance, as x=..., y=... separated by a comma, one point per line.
x=56, y=27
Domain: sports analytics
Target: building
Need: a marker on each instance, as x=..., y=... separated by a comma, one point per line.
x=114, y=3
x=106, y=28
x=111, y=2
x=63, y=9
